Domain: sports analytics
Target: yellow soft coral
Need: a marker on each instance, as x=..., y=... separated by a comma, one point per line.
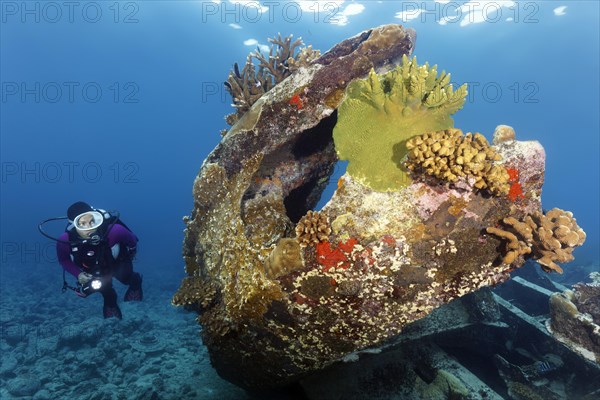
x=381, y=112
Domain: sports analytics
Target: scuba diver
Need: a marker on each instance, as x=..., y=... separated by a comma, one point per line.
x=96, y=246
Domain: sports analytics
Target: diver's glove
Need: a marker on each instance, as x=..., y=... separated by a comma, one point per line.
x=84, y=278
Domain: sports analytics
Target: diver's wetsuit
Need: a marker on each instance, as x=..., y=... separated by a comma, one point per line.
x=121, y=268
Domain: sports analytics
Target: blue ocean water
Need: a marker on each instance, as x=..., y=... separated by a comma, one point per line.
x=117, y=104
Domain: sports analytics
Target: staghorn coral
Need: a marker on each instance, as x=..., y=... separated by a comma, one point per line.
x=550, y=238
x=254, y=80
x=246, y=87
x=278, y=64
x=449, y=155
x=305, y=56
x=313, y=228
x=285, y=258
x=382, y=111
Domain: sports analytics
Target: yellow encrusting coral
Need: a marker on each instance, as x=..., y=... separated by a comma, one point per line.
x=313, y=228
x=449, y=155
x=550, y=238
x=381, y=112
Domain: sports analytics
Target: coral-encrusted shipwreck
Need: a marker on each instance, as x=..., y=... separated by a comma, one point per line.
x=575, y=318
x=283, y=291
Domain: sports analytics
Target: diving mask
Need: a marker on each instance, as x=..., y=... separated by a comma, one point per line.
x=88, y=221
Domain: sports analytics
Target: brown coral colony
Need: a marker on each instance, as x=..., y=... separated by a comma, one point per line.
x=313, y=228
x=550, y=238
x=449, y=155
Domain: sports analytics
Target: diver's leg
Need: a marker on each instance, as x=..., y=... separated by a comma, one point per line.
x=110, y=309
x=124, y=273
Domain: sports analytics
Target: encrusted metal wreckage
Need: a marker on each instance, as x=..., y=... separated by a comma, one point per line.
x=424, y=214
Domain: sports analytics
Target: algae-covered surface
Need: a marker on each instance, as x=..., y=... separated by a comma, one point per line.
x=415, y=222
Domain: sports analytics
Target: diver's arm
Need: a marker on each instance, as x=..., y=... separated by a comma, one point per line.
x=63, y=253
x=119, y=234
